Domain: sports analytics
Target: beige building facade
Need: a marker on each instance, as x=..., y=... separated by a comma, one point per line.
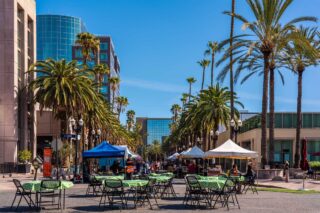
x=249, y=136
x=17, y=53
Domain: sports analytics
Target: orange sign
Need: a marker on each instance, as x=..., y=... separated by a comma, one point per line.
x=47, y=166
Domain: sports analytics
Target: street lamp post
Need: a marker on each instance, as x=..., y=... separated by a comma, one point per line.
x=95, y=135
x=236, y=128
x=214, y=136
x=77, y=127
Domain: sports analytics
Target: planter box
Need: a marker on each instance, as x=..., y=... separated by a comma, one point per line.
x=23, y=168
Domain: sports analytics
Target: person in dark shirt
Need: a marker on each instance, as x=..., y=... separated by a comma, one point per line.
x=116, y=168
x=250, y=172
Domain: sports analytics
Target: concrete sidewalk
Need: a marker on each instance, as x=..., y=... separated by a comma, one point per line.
x=292, y=184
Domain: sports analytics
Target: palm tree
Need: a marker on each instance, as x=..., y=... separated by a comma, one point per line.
x=62, y=87
x=213, y=108
x=122, y=103
x=184, y=99
x=114, y=81
x=268, y=14
x=213, y=48
x=90, y=44
x=175, y=110
x=298, y=58
x=155, y=149
x=190, y=81
x=100, y=70
x=130, y=119
x=204, y=64
x=233, y=2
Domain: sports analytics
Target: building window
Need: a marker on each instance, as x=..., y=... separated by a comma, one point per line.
x=278, y=120
x=104, y=46
x=283, y=151
x=307, y=120
x=103, y=56
x=287, y=120
x=78, y=53
x=312, y=147
x=316, y=120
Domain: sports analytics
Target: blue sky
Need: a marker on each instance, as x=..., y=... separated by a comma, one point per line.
x=159, y=42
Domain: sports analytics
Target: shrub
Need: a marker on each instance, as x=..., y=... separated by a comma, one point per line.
x=315, y=165
x=24, y=156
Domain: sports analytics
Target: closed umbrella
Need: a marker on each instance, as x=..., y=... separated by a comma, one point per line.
x=304, y=161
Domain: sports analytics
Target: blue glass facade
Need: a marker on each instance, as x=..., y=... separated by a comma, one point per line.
x=56, y=35
x=157, y=129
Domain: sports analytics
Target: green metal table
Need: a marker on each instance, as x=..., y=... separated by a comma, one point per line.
x=35, y=186
x=160, y=179
x=109, y=177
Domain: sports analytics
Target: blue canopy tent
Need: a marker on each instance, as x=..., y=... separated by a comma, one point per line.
x=104, y=150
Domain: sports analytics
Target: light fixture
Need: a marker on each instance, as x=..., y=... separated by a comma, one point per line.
x=232, y=123
x=80, y=122
x=217, y=133
x=99, y=131
x=93, y=132
x=239, y=123
x=211, y=132
x=72, y=121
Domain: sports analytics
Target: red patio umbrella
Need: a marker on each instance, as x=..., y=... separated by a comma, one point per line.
x=304, y=162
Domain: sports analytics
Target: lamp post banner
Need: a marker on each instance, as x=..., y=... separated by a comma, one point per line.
x=47, y=157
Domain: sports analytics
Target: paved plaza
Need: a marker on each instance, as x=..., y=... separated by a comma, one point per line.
x=264, y=202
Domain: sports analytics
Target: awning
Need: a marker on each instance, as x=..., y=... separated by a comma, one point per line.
x=104, y=150
x=194, y=152
x=229, y=149
x=128, y=152
x=174, y=156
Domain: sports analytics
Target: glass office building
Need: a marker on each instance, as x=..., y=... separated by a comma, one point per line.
x=154, y=129
x=56, y=35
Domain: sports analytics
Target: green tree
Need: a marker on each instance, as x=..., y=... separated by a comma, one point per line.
x=298, y=57
x=155, y=149
x=100, y=70
x=89, y=45
x=191, y=81
x=122, y=103
x=204, y=64
x=268, y=14
x=114, y=82
x=212, y=49
x=175, y=110
x=130, y=119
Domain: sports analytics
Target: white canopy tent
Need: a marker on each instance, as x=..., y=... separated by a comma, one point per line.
x=174, y=156
x=230, y=149
x=194, y=152
x=128, y=152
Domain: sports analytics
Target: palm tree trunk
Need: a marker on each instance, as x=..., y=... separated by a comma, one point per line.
x=299, y=120
x=120, y=108
x=212, y=67
x=231, y=69
x=264, y=159
x=203, y=72
x=271, y=117
x=113, y=91
x=190, y=91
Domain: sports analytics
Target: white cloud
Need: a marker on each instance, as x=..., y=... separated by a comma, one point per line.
x=153, y=85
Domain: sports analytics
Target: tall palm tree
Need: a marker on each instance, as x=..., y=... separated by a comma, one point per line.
x=90, y=45
x=233, y=3
x=190, y=81
x=100, y=70
x=114, y=82
x=175, y=110
x=130, y=119
x=298, y=58
x=184, y=99
x=62, y=87
x=213, y=48
x=204, y=64
x=268, y=14
x=122, y=103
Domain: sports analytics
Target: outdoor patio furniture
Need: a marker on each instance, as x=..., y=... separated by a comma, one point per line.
x=35, y=186
x=94, y=184
x=168, y=190
x=114, y=191
x=50, y=189
x=195, y=193
x=22, y=193
x=227, y=194
x=143, y=194
x=249, y=183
